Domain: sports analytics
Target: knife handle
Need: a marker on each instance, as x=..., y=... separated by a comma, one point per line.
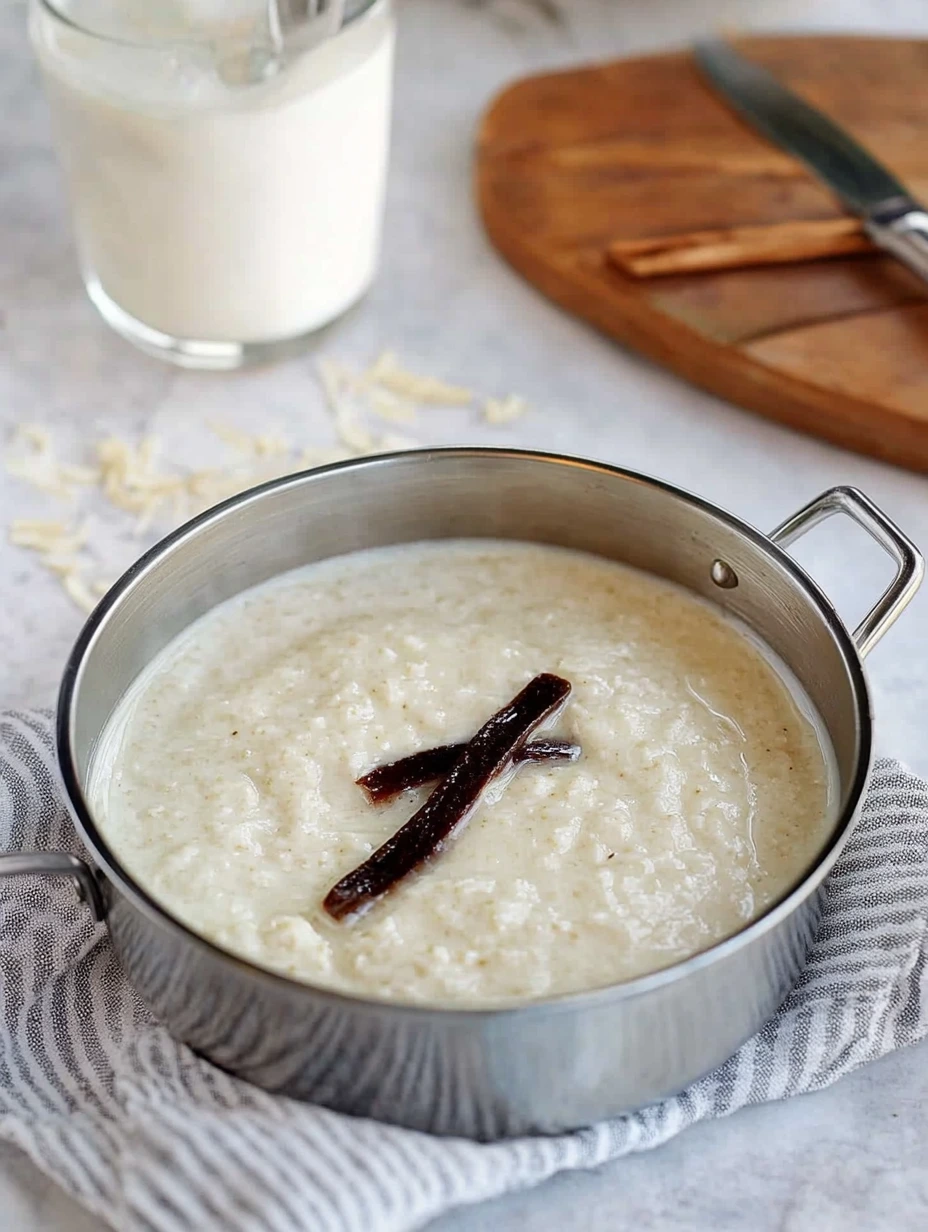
x=902, y=229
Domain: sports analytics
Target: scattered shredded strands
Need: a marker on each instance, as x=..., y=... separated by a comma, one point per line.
x=393, y=393
x=348, y=396
x=61, y=565
x=504, y=410
x=132, y=481
x=337, y=381
x=41, y=468
x=390, y=406
x=46, y=537
x=78, y=590
x=351, y=431
x=392, y=442
x=57, y=546
x=264, y=445
x=387, y=372
x=205, y=488
x=39, y=526
x=267, y=446
x=232, y=437
x=36, y=533
x=84, y=476
x=129, y=479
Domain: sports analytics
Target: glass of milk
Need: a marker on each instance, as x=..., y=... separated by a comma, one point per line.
x=226, y=173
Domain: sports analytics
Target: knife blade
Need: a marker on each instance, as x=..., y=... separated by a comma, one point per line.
x=892, y=217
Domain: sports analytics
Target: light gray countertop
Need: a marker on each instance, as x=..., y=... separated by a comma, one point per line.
x=850, y=1157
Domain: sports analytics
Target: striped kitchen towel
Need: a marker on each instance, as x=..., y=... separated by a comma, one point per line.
x=151, y=1137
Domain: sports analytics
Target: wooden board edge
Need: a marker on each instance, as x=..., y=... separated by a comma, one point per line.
x=741, y=380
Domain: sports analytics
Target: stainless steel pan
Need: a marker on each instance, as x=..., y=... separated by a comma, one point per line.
x=543, y=1066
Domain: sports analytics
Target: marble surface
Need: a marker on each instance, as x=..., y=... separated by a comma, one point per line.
x=850, y=1157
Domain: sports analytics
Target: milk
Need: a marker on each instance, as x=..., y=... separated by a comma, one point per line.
x=211, y=204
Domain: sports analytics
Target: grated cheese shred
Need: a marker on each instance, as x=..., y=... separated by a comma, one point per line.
x=504, y=410
x=133, y=482
x=387, y=372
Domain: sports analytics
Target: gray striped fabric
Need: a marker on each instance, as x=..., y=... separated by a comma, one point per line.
x=149, y=1136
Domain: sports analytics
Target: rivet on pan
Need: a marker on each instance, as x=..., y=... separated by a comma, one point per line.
x=724, y=575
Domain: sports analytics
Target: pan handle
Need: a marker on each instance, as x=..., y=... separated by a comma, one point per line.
x=910, y=565
x=57, y=864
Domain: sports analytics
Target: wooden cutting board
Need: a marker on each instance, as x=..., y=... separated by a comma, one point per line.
x=569, y=162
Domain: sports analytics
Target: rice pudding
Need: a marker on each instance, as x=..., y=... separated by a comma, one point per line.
x=225, y=781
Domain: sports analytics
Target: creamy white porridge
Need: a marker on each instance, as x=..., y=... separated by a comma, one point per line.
x=226, y=780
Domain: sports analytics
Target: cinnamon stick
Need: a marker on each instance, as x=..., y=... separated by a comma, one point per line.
x=388, y=780
x=781, y=243
x=452, y=802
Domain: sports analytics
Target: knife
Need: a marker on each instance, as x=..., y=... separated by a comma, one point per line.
x=891, y=216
